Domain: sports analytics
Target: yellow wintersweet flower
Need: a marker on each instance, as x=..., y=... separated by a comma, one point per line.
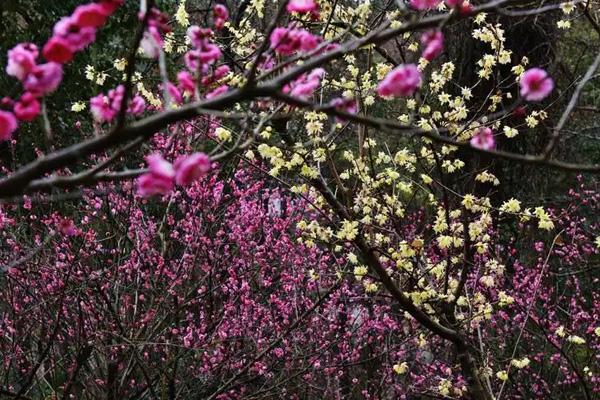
x=401, y=368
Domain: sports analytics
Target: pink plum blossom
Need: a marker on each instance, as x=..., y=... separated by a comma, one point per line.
x=58, y=50
x=44, y=78
x=137, y=105
x=483, y=139
x=301, y=6
x=191, y=168
x=220, y=15
x=186, y=82
x=217, y=92
x=158, y=179
x=21, y=60
x=8, y=124
x=286, y=41
x=78, y=37
x=27, y=108
x=91, y=15
x=535, y=84
x=402, y=81
x=434, y=44
x=306, y=85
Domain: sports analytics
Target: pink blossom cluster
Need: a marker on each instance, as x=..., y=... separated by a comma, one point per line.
x=433, y=43
x=70, y=35
x=220, y=16
x=105, y=108
x=302, y=6
x=162, y=175
x=483, y=139
x=287, y=41
x=157, y=27
x=304, y=86
x=402, y=81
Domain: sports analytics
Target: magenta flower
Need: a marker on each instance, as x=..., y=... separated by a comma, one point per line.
x=286, y=41
x=186, y=82
x=306, y=85
x=137, y=105
x=535, y=84
x=402, y=81
x=483, y=139
x=175, y=94
x=58, y=50
x=44, y=78
x=21, y=60
x=198, y=36
x=158, y=179
x=217, y=92
x=434, y=44
x=90, y=15
x=27, y=108
x=301, y=6
x=8, y=124
x=220, y=15
x=424, y=4
x=191, y=168
x=78, y=37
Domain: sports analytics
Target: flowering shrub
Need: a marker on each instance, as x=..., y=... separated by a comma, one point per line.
x=307, y=210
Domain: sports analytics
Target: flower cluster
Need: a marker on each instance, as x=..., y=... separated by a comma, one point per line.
x=287, y=41
x=433, y=42
x=402, y=81
x=162, y=175
x=70, y=35
x=105, y=108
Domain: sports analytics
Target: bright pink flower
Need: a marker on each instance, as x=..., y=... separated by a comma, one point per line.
x=305, y=86
x=205, y=54
x=137, y=105
x=217, y=92
x=424, y=4
x=90, y=15
x=344, y=104
x=44, y=78
x=100, y=108
x=8, y=124
x=483, y=139
x=308, y=41
x=286, y=41
x=175, y=94
x=535, y=84
x=27, y=108
x=186, y=82
x=221, y=15
x=21, y=60
x=402, y=81
x=221, y=71
x=198, y=36
x=434, y=44
x=78, y=37
x=191, y=168
x=57, y=49
x=301, y=6
x=158, y=179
